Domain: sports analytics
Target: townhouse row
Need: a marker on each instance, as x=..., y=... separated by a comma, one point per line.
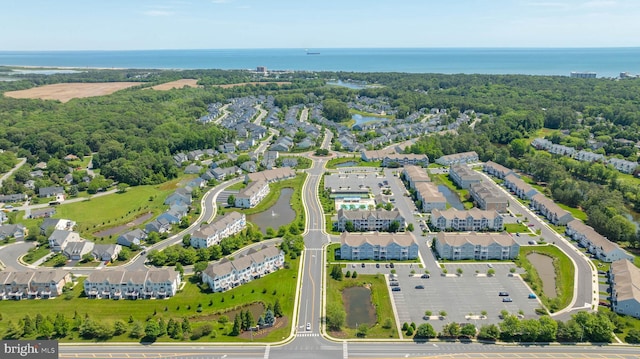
x=227, y=274
x=142, y=284
x=41, y=284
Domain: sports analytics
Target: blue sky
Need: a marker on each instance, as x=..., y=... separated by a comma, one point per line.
x=230, y=24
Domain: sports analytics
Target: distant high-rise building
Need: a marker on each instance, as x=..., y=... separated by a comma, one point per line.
x=583, y=75
x=262, y=69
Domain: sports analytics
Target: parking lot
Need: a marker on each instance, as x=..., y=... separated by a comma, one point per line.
x=458, y=296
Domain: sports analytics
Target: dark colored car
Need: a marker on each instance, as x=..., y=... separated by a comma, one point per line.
x=362, y=265
x=425, y=276
x=503, y=294
x=377, y=265
x=391, y=265
x=396, y=289
x=419, y=287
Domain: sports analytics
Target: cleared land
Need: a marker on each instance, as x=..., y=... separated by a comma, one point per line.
x=67, y=91
x=176, y=84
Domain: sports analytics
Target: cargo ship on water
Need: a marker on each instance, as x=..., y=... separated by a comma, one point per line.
x=312, y=53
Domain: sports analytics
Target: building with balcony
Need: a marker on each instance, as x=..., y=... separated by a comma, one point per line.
x=469, y=220
x=478, y=246
x=378, y=246
x=463, y=176
x=366, y=221
x=227, y=274
x=221, y=227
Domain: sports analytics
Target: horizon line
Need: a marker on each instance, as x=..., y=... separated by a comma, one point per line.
x=341, y=48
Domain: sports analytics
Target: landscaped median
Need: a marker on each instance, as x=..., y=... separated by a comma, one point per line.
x=564, y=276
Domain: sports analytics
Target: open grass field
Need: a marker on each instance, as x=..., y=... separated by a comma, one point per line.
x=380, y=298
x=279, y=285
x=67, y=91
x=112, y=210
x=178, y=84
x=564, y=271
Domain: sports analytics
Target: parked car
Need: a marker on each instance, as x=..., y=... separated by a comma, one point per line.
x=362, y=265
x=503, y=294
x=604, y=304
x=532, y=242
x=395, y=289
x=377, y=265
x=425, y=276
x=507, y=299
x=391, y=265
x=394, y=284
x=532, y=296
x=419, y=287
x=386, y=265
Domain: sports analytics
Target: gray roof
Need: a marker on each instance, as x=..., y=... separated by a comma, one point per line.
x=405, y=239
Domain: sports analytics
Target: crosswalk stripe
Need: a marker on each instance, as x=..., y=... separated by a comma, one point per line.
x=345, y=351
x=266, y=351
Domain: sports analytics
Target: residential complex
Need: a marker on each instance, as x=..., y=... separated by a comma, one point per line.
x=365, y=221
x=33, y=284
x=464, y=176
x=598, y=245
x=222, y=227
x=469, y=220
x=625, y=288
x=414, y=175
x=550, y=210
x=458, y=158
x=227, y=274
x=116, y=284
x=427, y=193
x=251, y=195
x=519, y=187
x=378, y=246
x=488, y=197
x=496, y=169
x=478, y=246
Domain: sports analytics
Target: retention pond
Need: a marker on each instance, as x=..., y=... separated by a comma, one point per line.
x=544, y=267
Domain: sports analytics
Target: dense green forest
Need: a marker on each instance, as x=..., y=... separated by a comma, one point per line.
x=133, y=132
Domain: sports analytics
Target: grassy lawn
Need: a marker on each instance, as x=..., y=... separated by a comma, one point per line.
x=564, y=271
x=116, y=209
x=237, y=186
x=279, y=285
x=516, y=228
x=380, y=298
x=36, y=253
x=331, y=164
x=575, y=212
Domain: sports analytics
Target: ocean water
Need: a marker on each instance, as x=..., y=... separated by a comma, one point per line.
x=606, y=62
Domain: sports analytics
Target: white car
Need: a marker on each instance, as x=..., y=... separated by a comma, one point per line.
x=308, y=326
